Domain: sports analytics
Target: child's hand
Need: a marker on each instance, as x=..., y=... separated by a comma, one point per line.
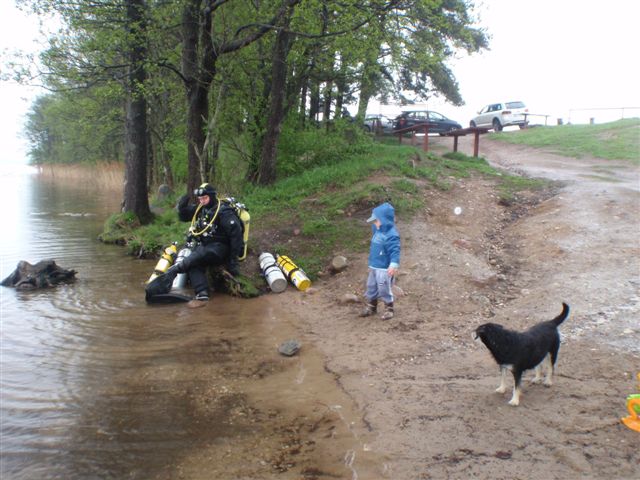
x=391, y=271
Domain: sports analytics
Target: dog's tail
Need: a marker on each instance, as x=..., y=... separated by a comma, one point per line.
x=563, y=316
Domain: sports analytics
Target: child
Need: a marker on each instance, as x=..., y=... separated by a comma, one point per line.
x=384, y=260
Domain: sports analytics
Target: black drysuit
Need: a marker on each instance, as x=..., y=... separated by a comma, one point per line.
x=216, y=243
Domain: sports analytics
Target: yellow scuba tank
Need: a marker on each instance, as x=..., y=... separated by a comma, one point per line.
x=166, y=260
x=293, y=273
x=245, y=218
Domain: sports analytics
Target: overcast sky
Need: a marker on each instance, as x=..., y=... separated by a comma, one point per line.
x=555, y=55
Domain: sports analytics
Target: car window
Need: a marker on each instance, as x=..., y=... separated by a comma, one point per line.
x=485, y=109
x=435, y=116
x=515, y=105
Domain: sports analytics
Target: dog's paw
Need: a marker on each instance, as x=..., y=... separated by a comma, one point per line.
x=548, y=383
x=515, y=398
x=501, y=389
x=536, y=380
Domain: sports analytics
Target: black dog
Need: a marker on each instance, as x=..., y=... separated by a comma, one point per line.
x=520, y=351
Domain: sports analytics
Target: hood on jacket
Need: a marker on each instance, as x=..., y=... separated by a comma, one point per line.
x=386, y=214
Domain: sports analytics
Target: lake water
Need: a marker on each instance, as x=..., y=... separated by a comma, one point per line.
x=97, y=384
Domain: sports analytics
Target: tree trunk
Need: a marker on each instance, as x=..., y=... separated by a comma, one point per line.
x=213, y=133
x=314, y=99
x=136, y=196
x=341, y=84
x=326, y=110
x=267, y=170
x=303, y=103
x=370, y=76
x=197, y=113
x=198, y=70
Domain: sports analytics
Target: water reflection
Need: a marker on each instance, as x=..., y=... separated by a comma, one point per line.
x=96, y=384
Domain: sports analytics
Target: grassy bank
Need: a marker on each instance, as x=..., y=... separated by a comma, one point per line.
x=320, y=212
x=612, y=141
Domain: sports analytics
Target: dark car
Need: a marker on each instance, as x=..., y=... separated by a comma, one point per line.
x=378, y=121
x=437, y=122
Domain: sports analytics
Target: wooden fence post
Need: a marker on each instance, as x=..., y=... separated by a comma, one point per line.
x=476, y=143
x=425, y=143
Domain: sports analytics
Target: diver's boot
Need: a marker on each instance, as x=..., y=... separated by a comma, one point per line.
x=388, y=311
x=202, y=296
x=369, y=309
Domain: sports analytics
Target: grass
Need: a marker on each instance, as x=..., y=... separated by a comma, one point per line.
x=618, y=140
x=319, y=212
x=326, y=205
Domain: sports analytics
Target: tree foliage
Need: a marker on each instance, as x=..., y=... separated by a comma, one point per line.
x=230, y=85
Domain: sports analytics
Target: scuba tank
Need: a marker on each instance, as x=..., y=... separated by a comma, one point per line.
x=166, y=260
x=272, y=274
x=245, y=219
x=181, y=279
x=293, y=273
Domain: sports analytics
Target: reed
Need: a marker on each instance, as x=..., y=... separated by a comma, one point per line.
x=103, y=176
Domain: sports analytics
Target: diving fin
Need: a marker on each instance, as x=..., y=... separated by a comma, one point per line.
x=164, y=298
x=159, y=286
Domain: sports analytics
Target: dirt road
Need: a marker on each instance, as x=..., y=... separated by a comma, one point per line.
x=426, y=390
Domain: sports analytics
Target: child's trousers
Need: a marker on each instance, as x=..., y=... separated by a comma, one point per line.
x=379, y=285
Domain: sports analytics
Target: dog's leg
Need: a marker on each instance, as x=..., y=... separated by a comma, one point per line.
x=538, y=372
x=548, y=381
x=553, y=357
x=515, y=397
x=503, y=380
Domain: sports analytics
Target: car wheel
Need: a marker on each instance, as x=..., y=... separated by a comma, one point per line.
x=367, y=128
x=496, y=125
x=472, y=124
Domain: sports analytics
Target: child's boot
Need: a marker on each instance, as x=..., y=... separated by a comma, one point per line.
x=370, y=309
x=388, y=311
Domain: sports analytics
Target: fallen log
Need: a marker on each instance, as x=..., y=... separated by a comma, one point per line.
x=43, y=274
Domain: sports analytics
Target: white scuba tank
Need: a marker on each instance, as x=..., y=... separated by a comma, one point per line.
x=181, y=279
x=272, y=273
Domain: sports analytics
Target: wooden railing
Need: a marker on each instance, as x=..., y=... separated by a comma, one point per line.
x=461, y=132
x=415, y=129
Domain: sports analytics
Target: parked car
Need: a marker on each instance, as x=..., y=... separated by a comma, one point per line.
x=437, y=122
x=371, y=120
x=500, y=115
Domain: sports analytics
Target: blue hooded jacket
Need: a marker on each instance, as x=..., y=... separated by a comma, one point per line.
x=384, y=251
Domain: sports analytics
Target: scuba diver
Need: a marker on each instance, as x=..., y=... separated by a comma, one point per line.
x=216, y=235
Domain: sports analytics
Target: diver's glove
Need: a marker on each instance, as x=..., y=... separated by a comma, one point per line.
x=183, y=202
x=233, y=267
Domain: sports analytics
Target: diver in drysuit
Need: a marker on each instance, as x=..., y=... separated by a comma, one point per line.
x=216, y=233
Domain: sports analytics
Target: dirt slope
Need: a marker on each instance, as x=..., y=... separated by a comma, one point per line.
x=426, y=390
